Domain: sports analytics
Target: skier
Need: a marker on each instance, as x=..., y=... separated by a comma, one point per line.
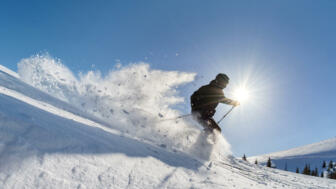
x=205, y=100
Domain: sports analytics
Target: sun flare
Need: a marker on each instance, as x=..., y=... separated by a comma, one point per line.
x=241, y=94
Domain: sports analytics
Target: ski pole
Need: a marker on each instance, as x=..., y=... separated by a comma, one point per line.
x=175, y=118
x=225, y=115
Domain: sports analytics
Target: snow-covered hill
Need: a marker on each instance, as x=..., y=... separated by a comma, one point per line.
x=312, y=154
x=50, y=143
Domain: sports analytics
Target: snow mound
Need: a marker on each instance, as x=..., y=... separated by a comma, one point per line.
x=135, y=99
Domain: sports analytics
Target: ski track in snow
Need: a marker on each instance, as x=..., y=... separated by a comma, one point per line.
x=44, y=146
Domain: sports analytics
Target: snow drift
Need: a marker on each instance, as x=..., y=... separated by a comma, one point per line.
x=135, y=99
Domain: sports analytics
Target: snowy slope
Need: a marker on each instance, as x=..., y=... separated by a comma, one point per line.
x=46, y=143
x=11, y=81
x=313, y=154
x=9, y=71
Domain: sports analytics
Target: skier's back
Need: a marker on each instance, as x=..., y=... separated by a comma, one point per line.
x=205, y=100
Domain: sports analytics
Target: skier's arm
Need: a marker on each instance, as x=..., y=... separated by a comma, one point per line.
x=229, y=101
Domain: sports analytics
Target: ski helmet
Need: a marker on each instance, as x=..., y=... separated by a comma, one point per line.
x=222, y=78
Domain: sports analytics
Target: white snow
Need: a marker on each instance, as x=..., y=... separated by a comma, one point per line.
x=9, y=71
x=48, y=143
x=312, y=154
x=135, y=99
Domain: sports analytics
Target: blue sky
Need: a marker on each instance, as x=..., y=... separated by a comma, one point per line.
x=287, y=48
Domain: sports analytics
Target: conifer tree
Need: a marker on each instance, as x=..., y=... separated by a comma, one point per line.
x=309, y=171
x=316, y=172
x=306, y=170
x=333, y=175
x=285, y=167
x=322, y=175
x=329, y=175
x=269, y=162
x=312, y=173
x=297, y=170
x=324, y=164
x=244, y=158
x=256, y=162
x=330, y=166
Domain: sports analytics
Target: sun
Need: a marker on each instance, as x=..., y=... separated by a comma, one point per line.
x=241, y=94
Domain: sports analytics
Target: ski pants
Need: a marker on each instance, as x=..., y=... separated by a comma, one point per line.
x=206, y=120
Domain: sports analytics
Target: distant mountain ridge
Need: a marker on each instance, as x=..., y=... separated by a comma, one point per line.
x=312, y=154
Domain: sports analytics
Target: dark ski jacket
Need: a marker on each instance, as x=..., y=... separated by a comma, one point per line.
x=207, y=98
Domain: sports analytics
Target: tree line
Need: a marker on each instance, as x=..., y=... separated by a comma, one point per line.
x=327, y=170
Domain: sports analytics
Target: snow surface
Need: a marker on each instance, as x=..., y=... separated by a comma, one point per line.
x=9, y=71
x=50, y=143
x=312, y=154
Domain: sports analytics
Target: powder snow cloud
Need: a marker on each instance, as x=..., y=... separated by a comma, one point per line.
x=135, y=99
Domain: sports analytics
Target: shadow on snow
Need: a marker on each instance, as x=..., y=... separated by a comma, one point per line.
x=25, y=129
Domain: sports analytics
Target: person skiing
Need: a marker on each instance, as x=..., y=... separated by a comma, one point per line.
x=205, y=100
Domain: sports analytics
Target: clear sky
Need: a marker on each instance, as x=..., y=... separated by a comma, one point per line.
x=284, y=51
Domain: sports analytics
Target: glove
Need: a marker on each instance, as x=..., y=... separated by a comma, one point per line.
x=235, y=103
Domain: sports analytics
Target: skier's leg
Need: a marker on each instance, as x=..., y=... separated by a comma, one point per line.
x=214, y=125
x=208, y=123
x=201, y=120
